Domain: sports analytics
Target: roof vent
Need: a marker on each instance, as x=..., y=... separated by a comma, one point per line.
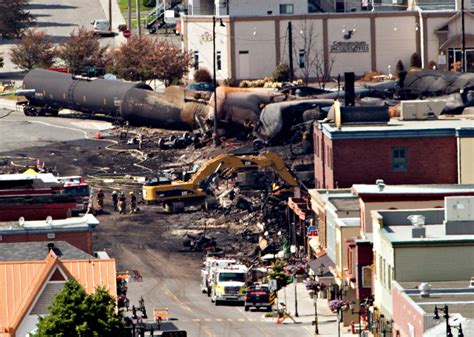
x=417, y=220
x=21, y=221
x=425, y=289
x=418, y=230
x=49, y=220
x=380, y=183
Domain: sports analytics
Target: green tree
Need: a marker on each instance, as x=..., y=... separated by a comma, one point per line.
x=81, y=49
x=35, y=50
x=142, y=59
x=74, y=313
x=278, y=273
x=14, y=18
x=281, y=73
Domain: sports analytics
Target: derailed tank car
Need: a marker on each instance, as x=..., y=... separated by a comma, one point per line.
x=133, y=102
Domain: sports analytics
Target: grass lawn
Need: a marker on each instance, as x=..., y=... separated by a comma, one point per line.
x=123, y=5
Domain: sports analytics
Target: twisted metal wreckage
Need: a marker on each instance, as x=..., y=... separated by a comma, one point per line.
x=270, y=115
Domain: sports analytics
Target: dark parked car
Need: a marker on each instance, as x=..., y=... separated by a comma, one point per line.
x=199, y=91
x=258, y=297
x=200, y=86
x=302, y=91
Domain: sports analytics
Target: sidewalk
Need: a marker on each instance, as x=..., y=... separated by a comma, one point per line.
x=327, y=320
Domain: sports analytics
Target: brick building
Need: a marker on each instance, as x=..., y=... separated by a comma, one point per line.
x=76, y=231
x=399, y=152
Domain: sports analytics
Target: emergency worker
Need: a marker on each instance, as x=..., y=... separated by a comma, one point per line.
x=133, y=203
x=100, y=200
x=122, y=203
x=115, y=199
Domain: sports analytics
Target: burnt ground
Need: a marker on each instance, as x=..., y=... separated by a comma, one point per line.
x=112, y=164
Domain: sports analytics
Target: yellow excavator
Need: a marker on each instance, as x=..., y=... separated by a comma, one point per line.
x=176, y=195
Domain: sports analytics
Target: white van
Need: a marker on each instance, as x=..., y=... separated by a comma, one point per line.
x=102, y=27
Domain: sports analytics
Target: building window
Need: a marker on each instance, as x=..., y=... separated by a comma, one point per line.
x=301, y=55
x=366, y=277
x=399, y=159
x=196, y=60
x=286, y=9
x=51, y=236
x=389, y=277
x=219, y=60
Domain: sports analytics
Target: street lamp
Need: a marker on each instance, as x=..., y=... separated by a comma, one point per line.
x=214, y=80
x=445, y=310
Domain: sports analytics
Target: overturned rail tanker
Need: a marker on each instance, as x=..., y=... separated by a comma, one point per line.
x=49, y=91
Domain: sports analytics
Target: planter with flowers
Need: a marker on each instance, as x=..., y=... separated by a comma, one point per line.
x=339, y=305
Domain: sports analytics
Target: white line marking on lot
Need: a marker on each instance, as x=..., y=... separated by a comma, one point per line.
x=251, y=319
x=241, y=320
x=230, y=319
x=219, y=319
x=196, y=320
x=207, y=319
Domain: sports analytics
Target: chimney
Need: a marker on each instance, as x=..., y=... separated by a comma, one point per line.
x=349, y=92
x=380, y=184
x=418, y=222
x=425, y=289
x=50, y=246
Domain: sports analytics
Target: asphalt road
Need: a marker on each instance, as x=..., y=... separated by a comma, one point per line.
x=18, y=131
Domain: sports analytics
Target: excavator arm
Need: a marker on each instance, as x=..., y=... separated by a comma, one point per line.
x=227, y=163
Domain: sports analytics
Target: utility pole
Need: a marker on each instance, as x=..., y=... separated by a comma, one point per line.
x=138, y=18
x=290, y=49
x=463, y=39
x=110, y=15
x=129, y=15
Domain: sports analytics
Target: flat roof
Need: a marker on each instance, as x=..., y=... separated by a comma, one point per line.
x=456, y=294
x=77, y=223
x=45, y=177
x=434, y=233
x=349, y=203
x=396, y=128
x=348, y=222
x=413, y=189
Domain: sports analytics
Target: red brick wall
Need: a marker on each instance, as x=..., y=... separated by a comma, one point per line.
x=363, y=161
x=323, y=163
x=81, y=240
x=318, y=162
x=363, y=257
x=404, y=313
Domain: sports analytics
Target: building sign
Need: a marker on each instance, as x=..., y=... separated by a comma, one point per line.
x=206, y=37
x=349, y=47
x=311, y=231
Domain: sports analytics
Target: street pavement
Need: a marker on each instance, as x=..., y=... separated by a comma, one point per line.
x=193, y=311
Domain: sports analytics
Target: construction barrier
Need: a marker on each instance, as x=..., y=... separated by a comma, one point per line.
x=160, y=314
x=273, y=296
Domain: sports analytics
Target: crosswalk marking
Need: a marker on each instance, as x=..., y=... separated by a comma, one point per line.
x=248, y=319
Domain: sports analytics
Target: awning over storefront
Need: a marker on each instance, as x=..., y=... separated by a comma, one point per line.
x=321, y=266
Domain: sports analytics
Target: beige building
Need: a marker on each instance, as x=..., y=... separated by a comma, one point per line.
x=466, y=156
x=427, y=245
x=249, y=44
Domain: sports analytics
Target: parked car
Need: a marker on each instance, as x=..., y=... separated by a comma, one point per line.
x=199, y=91
x=302, y=91
x=102, y=28
x=200, y=86
x=258, y=297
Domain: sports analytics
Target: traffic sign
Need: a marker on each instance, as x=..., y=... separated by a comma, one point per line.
x=126, y=33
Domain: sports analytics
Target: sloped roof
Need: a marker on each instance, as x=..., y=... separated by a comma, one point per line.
x=37, y=251
x=24, y=280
